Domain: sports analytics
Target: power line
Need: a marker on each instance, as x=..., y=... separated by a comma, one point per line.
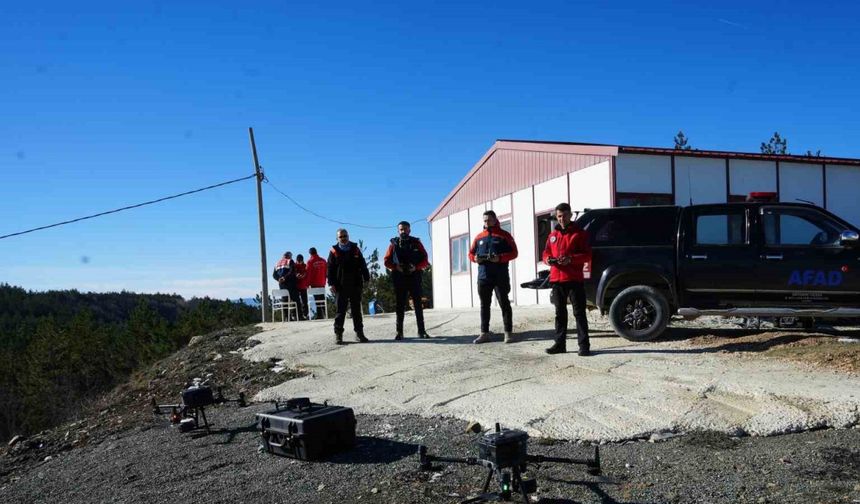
x=128, y=207
x=315, y=214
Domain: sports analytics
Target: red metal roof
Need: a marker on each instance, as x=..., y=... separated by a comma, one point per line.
x=511, y=165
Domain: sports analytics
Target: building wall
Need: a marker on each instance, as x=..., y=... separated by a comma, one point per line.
x=702, y=178
x=801, y=181
x=843, y=185
x=746, y=176
x=524, y=234
x=549, y=194
x=640, y=173
x=591, y=187
x=502, y=206
x=476, y=225
x=461, y=288
x=440, y=244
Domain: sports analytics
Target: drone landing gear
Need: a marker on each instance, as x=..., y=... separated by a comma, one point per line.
x=504, y=454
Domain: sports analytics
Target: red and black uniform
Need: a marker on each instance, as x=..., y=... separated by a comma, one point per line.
x=317, y=267
x=302, y=287
x=285, y=274
x=347, y=273
x=495, y=277
x=409, y=254
x=574, y=244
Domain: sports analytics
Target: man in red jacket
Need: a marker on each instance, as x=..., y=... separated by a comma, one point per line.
x=317, y=268
x=567, y=250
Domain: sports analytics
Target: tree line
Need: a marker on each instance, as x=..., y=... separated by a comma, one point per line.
x=777, y=144
x=58, y=349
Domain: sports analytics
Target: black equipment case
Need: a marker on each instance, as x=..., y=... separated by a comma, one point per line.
x=307, y=431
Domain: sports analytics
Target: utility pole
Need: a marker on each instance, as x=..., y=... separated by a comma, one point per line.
x=264, y=263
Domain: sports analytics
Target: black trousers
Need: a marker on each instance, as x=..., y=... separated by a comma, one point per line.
x=406, y=286
x=575, y=293
x=303, y=307
x=485, y=291
x=294, y=296
x=351, y=298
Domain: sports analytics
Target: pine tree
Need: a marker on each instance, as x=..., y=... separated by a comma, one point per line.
x=776, y=145
x=681, y=141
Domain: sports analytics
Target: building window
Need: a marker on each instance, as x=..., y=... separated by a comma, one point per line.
x=643, y=199
x=506, y=225
x=545, y=223
x=460, y=254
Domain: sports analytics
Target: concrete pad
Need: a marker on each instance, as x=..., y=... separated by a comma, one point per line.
x=626, y=390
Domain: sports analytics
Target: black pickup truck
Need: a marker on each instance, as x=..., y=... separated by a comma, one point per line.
x=753, y=259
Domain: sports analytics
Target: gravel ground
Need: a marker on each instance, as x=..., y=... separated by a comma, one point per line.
x=119, y=453
x=155, y=463
x=697, y=378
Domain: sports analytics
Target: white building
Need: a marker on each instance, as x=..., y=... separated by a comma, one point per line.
x=523, y=181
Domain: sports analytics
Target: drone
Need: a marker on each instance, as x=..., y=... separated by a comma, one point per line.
x=192, y=409
x=504, y=453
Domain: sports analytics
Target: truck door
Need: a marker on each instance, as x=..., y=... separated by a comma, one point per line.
x=802, y=262
x=716, y=258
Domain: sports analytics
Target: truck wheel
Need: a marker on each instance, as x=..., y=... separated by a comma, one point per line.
x=639, y=313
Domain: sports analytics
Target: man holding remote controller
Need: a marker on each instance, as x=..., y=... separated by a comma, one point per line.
x=567, y=251
x=492, y=250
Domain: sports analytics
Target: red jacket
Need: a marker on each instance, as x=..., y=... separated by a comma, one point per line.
x=317, y=268
x=302, y=279
x=569, y=242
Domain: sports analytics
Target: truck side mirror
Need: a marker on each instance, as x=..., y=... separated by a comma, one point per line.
x=849, y=238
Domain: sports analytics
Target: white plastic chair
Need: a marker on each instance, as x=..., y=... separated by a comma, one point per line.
x=281, y=301
x=319, y=304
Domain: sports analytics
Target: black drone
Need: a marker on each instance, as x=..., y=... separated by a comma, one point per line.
x=505, y=454
x=195, y=399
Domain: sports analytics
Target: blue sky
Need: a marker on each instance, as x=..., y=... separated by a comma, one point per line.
x=365, y=112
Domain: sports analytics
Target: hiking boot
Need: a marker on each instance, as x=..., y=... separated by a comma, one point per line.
x=483, y=338
x=359, y=336
x=338, y=338
x=398, y=336
x=557, y=348
x=584, y=352
x=509, y=337
x=423, y=335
